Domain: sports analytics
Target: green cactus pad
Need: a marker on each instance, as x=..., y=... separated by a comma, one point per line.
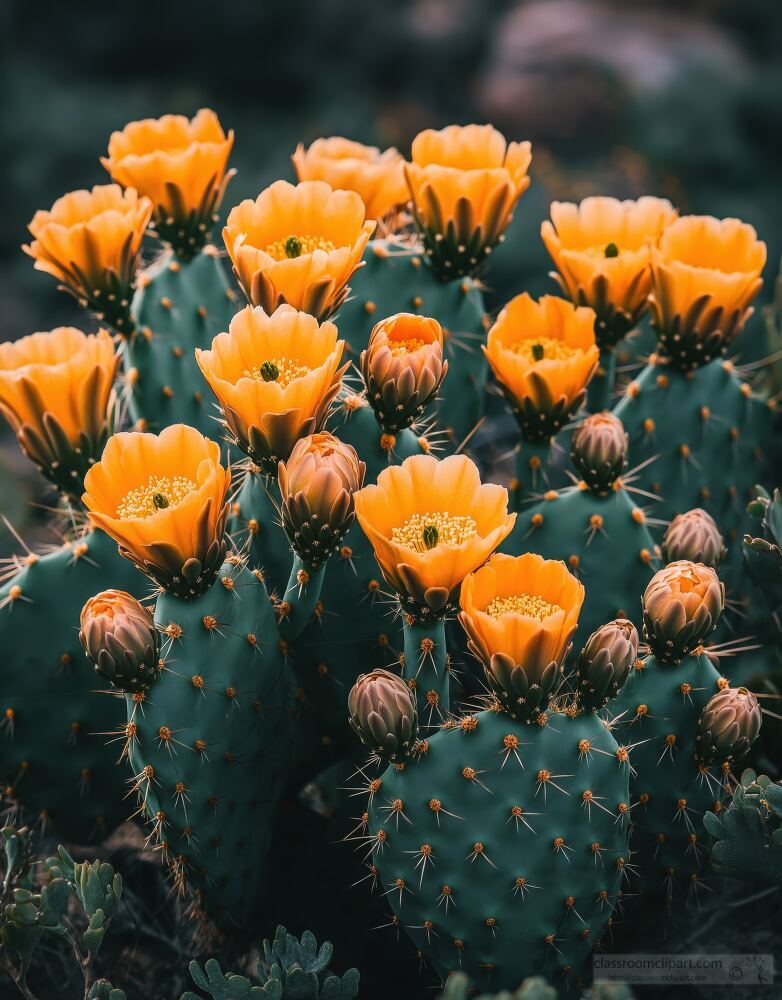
x=178, y=306
x=604, y=540
x=748, y=835
x=658, y=709
x=490, y=853
x=214, y=729
x=397, y=280
x=55, y=722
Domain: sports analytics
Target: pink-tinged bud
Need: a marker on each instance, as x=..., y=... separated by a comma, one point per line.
x=605, y=663
x=383, y=714
x=120, y=638
x=317, y=484
x=728, y=726
x=403, y=368
x=681, y=607
x=599, y=450
x=694, y=535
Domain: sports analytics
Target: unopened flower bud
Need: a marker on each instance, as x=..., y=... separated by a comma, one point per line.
x=599, y=450
x=317, y=484
x=728, y=726
x=605, y=663
x=120, y=638
x=681, y=607
x=694, y=535
x=383, y=714
x=403, y=368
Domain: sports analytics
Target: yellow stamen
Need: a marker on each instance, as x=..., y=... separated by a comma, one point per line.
x=144, y=501
x=440, y=528
x=282, y=249
x=529, y=605
x=553, y=349
x=288, y=369
x=401, y=347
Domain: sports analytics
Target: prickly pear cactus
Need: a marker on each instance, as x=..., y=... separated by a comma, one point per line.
x=595, y=526
x=502, y=847
x=398, y=279
x=209, y=742
x=659, y=707
x=178, y=306
x=534, y=988
x=704, y=434
x=56, y=714
x=748, y=835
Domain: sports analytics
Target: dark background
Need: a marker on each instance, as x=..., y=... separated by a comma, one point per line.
x=648, y=97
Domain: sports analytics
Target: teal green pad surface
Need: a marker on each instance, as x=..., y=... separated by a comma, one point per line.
x=394, y=281
x=214, y=728
x=55, y=713
x=603, y=540
x=178, y=306
x=659, y=707
x=500, y=893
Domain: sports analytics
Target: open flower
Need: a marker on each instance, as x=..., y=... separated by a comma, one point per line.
x=602, y=251
x=162, y=498
x=520, y=614
x=181, y=165
x=681, y=607
x=298, y=244
x=465, y=182
x=403, y=368
x=431, y=523
x=56, y=391
x=91, y=242
x=275, y=377
x=543, y=354
x=317, y=484
x=378, y=178
x=705, y=274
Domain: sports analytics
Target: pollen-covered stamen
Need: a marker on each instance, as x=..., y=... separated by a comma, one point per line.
x=422, y=532
x=295, y=245
x=544, y=349
x=529, y=605
x=283, y=371
x=408, y=345
x=159, y=493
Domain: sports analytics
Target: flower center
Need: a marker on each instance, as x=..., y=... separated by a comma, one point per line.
x=401, y=347
x=529, y=605
x=159, y=493
x=283, y=371
x=548, y=348
x=422, y=532
x=292, y=246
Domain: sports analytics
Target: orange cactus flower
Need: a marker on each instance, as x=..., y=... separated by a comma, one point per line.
x=298, y=244
x=181, y=165
x=377, y=177
x=90, y=241
x=162, y=498
x=705, y=274
x=543, y=354
x=520, y=614
x=465, y=182
x=602, y=251
x=403, y=368
x=431, y=523
x=56, y=391
x=275, y=378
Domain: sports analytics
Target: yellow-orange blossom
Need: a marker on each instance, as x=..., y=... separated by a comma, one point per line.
x=162, y=498
x=431, y=523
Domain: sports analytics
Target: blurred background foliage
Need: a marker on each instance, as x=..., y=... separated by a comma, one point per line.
x=649, y=97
